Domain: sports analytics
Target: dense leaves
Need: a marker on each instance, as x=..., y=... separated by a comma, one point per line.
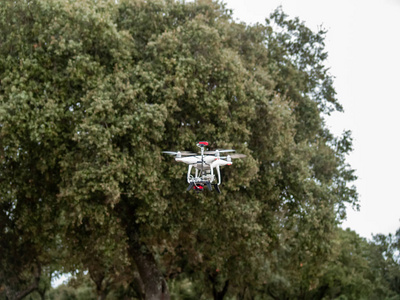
x=91, y=92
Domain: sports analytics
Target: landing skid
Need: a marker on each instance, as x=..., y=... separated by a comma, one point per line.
x=191, y=185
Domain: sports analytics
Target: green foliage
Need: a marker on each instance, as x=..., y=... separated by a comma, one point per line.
x=92, y=91
x=72, y=293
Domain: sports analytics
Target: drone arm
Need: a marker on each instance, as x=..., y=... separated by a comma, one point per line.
x=188, y=174
x=187, y=160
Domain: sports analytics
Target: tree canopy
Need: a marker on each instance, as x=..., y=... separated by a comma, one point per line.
x=91, y=92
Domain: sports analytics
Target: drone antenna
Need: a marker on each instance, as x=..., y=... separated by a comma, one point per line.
x=201, y=145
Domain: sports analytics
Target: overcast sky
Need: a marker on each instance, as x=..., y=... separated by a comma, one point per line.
x=363, y=43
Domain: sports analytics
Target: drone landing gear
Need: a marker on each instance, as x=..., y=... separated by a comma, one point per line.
x=190, y=187
x=216, y=187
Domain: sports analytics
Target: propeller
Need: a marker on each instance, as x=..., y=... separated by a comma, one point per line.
x=179, y=153
x=220, y=151
x=234, y=156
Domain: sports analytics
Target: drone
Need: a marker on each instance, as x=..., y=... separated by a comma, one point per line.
x=204, y=165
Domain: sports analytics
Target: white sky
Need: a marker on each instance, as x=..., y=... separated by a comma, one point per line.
x=363, y=44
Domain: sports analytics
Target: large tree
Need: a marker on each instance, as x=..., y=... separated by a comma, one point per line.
x=92, y=91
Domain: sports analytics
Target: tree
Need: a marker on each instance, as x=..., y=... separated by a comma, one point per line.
x=92, y=91
x=28, y=181
x=385, y=263
x=47, y=69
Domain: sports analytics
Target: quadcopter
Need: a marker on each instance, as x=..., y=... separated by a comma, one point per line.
x=204, y=165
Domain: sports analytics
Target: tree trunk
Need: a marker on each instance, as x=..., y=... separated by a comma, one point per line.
x=138, y=286
x=19, y=295
x=218, y=295
x=155, y=286
x=14, y=295
x=242, y=294
x=42, y=294
x=102, y=285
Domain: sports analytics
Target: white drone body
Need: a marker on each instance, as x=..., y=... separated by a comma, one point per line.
x=204, y=166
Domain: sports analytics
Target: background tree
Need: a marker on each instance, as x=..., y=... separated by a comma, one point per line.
x=385, y=262
x=92, y=91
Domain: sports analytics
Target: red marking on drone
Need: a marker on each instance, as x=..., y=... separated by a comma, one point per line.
x=203, y=143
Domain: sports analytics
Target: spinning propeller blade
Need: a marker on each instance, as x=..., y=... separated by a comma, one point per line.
x=183, y=153
x=220, y=151
x=235, y=156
